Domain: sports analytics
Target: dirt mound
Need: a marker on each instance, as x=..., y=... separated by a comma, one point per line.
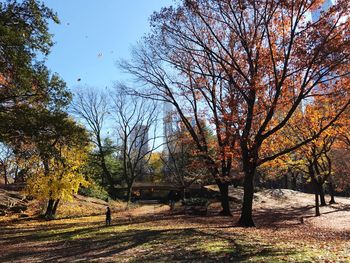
x=262, y=196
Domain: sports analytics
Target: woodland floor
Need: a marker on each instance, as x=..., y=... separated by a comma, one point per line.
x=151, y=233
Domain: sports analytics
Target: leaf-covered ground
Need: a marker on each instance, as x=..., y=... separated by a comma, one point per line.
x=286, y=232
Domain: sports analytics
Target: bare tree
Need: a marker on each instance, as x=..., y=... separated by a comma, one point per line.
x=136, y=121
x=92, y=107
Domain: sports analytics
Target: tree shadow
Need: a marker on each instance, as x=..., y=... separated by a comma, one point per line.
x=185, y=244
x=198, y=239
x=164, y=245
x=282, y=217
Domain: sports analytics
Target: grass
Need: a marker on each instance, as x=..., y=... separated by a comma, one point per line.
x=151, y=233
x=164, y=237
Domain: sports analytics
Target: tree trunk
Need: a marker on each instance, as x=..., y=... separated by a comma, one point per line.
x=49, y=209
x=331, y=192
x=294, y=182
x=317, y=205
x=225, y=203
x=128, y=193
x=317, y=202
x=316, y=188
x=5, y=176
x=246, y=218
x=54, y=209
x=286, y=181
x=321, y=193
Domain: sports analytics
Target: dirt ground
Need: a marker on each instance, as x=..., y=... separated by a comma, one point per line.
x=286, y=231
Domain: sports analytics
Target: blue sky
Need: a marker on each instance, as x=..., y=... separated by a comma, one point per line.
x=93, y=34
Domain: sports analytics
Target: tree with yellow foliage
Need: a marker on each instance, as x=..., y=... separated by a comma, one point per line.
x=58, y=178
x=52, y=148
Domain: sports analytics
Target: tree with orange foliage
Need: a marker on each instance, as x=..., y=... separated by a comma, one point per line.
x=182, y=165
x=245, y=66
x=340, y=155
x=315, y=160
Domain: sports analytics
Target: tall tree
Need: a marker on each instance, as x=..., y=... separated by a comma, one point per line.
x=246, y=66
x=136, y=123
x=92, y=107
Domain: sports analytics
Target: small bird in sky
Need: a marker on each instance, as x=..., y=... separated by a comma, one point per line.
x=79, y=79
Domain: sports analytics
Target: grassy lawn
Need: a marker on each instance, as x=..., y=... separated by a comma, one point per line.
x=162, y=237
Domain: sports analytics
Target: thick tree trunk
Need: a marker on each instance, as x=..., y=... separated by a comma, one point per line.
x=225, y=203
x=321, y=193
x=54, y=209
x=331, y=192
x=128, y=193
x=246, y=218
x=49, y=209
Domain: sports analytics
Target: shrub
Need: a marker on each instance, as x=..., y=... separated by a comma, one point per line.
x=94, y=190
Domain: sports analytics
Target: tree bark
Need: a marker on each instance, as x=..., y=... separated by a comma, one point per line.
x=128, y=193
x=49, y=209
x=286, y=181
x=317, y=205
x=317, y=202
x=54, y=209
x=246, y=219
x=225, y=203
x=5, y=176
x=331, y=192
x=316, y=188
x=294, y=182
x=321, y=193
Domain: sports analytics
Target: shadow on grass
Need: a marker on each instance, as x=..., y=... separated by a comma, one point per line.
x=206, y=241
x=190, y=244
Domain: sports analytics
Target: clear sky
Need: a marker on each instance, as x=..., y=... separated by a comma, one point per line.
x=93, y=34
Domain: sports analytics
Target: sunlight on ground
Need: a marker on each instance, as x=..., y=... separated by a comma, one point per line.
x=165, y=237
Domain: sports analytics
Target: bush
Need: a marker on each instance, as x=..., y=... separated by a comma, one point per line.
x=94, y=190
